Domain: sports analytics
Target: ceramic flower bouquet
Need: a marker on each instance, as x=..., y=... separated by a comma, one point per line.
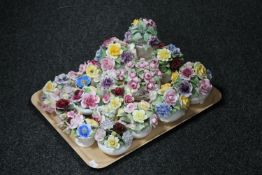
x=122, y=93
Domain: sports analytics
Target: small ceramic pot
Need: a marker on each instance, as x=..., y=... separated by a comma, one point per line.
x=113, y=152
x=143, y=133
x=143, y=53
x=173, y=117
x=199, y=99
x=85, y=142
x=83, y=110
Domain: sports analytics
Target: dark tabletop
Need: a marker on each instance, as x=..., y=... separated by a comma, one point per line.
x=41, y=39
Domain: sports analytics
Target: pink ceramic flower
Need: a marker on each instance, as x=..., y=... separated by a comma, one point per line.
x=132, y=74
x=133, y=85
x=153, y=64
x=150, y=86
x=170, y=97
x=148, y=76
x=107, y=64
x=130, y=107
x=205, y=86
x=106, y=98
x=128, y=99
x=186, y=72
x=154, y=120
x=90, y=100
x=75, y=121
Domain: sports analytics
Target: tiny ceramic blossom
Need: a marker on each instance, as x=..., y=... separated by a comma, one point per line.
x=163, y=54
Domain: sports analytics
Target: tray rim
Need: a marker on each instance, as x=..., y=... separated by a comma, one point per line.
x=83, y=156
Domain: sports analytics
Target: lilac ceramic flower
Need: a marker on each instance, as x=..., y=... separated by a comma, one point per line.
x=205, y=87
x=126, y=57
x=170, y=97
x=133, y=85
x=153, y=64
x=82, y=68
x=127, y=36
x=127, y=137
x=72, y=75
x=61, y=79
x=100, y=135
x=185, y=88
x=106, y=124
x=163, y=110
x=107, y=82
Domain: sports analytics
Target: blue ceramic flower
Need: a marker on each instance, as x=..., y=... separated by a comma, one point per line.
x=98, y=54
x=83, y=81
x=173, y=49
x=83, y=131
x=163, y=110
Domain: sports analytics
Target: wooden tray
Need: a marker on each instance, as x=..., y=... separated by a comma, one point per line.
x=97, y=159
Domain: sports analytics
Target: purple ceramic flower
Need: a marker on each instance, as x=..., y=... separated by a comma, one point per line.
x=61, y=79
x=170, y=97
x=126, y=57
x=205, y=86
x=153, y=41
x=107, y=82
x=185, y=88
x=127, y=36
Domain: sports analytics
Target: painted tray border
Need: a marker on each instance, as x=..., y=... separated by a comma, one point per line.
x=94, y=158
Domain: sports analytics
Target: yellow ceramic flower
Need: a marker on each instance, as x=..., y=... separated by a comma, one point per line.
x=174, y=76
x=164, y=87
x=112, y=142
x=163, y=54
x=114, y=50
x=92, y=122
x=144, y=105
x=135, y=22
x=115, y=102
x=200, y=69
x=49, y=87
x=92, y=71
x=139, y=116
x=185, y=102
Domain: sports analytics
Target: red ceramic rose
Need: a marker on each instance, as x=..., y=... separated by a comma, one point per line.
x=118, y=91
x=62, y=104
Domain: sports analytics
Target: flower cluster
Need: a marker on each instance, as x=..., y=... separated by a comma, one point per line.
x=120, y=93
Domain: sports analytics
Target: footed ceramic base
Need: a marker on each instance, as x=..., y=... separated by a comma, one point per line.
x=143, y=133
x=200, y=99
x=173, y=117
x=143, y=53
x=113, y=152
x=85, y=142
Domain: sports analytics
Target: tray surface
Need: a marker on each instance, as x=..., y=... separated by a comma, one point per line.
x=97, y=159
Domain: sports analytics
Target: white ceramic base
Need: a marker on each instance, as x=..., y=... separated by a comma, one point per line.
x=83, y=111
x=173, y=117
x=144, y=53
x=200, y=99
x=85, y=142
x=113, y=152
x=143, y=133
